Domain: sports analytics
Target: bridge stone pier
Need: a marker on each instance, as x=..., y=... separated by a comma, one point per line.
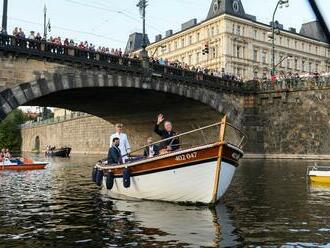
x=282, y=119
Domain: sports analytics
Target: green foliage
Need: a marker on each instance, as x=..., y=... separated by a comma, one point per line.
x=10, y=133
x=47, y=113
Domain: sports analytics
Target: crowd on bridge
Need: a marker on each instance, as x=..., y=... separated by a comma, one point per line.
x=291, y=80
x=198, y=69
x=84, y=45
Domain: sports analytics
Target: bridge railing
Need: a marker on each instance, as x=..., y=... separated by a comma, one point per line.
x=73, y=115
x=52, y=50
x=293, y=84
x=203, y=80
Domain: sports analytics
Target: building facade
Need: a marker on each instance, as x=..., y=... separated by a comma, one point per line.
x=240, y=45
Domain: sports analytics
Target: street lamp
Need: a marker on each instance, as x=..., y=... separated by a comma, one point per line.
x=4, y=16
x=279, y=4
x=287, y=57
x=46, y=25
x=142, y=4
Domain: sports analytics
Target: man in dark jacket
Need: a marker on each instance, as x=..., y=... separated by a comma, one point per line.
x=114, y=154
x=167, y=132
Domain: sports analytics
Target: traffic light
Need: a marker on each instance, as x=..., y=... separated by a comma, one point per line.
x=206, y=49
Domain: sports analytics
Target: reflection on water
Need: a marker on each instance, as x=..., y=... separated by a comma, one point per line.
x=269, y=203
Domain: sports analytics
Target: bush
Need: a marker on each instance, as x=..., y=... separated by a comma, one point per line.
x=10, y=133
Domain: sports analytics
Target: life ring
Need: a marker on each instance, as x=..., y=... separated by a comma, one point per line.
x=110, y=180
x=126, y=178
x=99, y=177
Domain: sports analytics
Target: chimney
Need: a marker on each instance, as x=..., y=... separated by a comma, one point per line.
x=169, y=33
x=158, y=37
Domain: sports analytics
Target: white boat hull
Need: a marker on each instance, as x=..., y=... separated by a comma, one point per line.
x=193, y=184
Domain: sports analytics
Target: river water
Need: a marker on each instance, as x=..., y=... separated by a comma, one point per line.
x=269, y=204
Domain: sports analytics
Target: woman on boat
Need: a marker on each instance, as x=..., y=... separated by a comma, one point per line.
x=171, y=144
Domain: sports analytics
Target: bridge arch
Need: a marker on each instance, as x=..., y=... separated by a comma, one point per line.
x=68, y=79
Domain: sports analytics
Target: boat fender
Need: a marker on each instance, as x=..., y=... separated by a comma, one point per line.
x=110, y=180
x=99, y=177
x=94, y=174
x=126, y=178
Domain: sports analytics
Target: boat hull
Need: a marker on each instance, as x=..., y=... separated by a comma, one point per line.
x=186, y=176
x=192, y=184
x=23, y=167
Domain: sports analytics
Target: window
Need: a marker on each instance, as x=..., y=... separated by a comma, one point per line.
x=317, y=67
x=288, y=42
x=264, y=57
x=281, y=60
x=264, y=36
x=197, y=37
x=296, y=64
x=303, y=47
x=175, y=45
x=310, y=67
x=238, y=51
x=316, y=50
x=303, y=65
x=238, y=30
x=256, y=34
x=295, y=44
x=288, y=63
x=182, y=42
x=197, y=58
x=189, y=59
x=280, y=41
x=190, y=40
x=212, y=31
x=255, y=55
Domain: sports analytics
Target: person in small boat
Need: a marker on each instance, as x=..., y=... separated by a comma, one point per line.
x=171, y=144
x=7, y=154
x=125, y=147
x=151, y=150
x=114, y=154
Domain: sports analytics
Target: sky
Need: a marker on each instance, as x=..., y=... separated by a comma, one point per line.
x=109, y=22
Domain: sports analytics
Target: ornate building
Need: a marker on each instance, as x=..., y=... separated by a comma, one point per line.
x=239, y=44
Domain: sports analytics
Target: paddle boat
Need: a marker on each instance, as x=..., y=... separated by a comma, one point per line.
x=195, y=174
x=21, y=164
x=319, y=174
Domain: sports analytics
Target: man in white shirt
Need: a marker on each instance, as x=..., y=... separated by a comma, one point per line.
x=124, y=146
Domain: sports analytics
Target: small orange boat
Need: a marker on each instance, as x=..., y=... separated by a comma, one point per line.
x=24, y=165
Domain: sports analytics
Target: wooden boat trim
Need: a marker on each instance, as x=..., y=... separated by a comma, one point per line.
x=218, y=168
x=169, y=162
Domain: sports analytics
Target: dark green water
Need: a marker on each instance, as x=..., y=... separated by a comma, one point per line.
x=268, y=205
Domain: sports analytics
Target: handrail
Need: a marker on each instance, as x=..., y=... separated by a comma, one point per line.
x=176, y=136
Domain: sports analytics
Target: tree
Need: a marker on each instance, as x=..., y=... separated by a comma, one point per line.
x=10, y=130
x=47, y=113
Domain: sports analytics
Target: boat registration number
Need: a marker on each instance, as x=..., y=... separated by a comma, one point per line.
x=186, y=156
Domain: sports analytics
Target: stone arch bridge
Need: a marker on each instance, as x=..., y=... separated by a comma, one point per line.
x=45, y=74
x=280, y=120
